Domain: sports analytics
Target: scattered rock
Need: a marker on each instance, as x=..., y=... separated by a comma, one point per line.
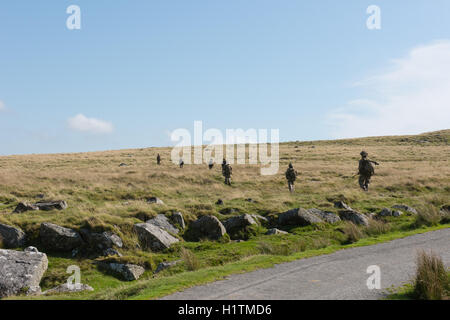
x=239, y=222
x=354, y=216
x=66, y=288
x=299, y=217
x=405, y=208
x=260, y=218
x=275, y=231
x=219, y=202
x=101, y=241
x=342, y=205
x=154, y=200
x=24, y=206
x=250, y=200
x=329, y=217
x=12, y=237
x=111, y=252
x=165, y=265
x=21, y=271
x=58, y=238
x=209, y=227
x=40, y=196
x=123, y=165
x=31, y=249
x=153, y=238
x=51, y=205
x=396, y=213
x=386, y=212
x=128, y=272
x=162, y=222
x=177, y=217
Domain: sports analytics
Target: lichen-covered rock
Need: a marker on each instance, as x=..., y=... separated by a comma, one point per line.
x=111, y=252
x=24, y=206
x=178, y=218
x=21, y=272
x=128, y=272
x=239, y=222
x=51, y=205
x=153, y=237
x=404, y=207
x=154, y=200
x=165, y=265
x=329, y=217
x=342, y=205
x=275, y=231
x=12, y=237
x=300, y=217
x=209, y=227
x=162, y=222
x=101, y=241
x=58, y=238
x=354, y=216
x=386, y=212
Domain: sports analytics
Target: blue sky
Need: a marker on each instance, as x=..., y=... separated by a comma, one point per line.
x=138, y=70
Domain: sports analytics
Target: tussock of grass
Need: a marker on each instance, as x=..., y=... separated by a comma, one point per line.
x=431, y=281
x=190, y=260
x=428, y=216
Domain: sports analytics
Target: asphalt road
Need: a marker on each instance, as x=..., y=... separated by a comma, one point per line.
x=340, y=275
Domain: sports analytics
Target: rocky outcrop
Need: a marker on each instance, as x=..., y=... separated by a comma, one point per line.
x=386, y=212
x=300, y=217
x=128, y=272
x=165, y=265
x=324, y=215
x=177, y=217
x=153, y=238
x=21, y=272
x=404, y=207
x=111, y=252
x=259, y=218
x=66, y=288
x=51, y=205
x=101, y=241
x=354, y=216
x=11, y=237
x=162, y=222
x=275, y=231
x=342, y=205
x=41, y=205
x=239, y=222
x=24, y=206
x=58, y=238
x=208, y=227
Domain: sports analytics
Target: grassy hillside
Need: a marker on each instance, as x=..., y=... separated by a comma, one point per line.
x=413, y=170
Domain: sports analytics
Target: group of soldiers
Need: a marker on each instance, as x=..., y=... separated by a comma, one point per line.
x=365, y=171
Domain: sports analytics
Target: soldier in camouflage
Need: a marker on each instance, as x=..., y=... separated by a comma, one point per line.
x=158, y=159
x=291, y=175
x=227, y=171
x=365, y=170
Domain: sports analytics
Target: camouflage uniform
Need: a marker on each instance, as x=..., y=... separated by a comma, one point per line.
x=365, y=171
x=291, y=175
x=227, y=172
x=158, y=159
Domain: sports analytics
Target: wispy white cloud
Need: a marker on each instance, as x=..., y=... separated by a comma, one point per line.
x=413, y=96
x=2, y=106
x=91, y=125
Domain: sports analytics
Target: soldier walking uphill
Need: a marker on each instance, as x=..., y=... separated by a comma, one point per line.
x=365, y=170
x=291, y=175
x=158, y=159
x=227, y=172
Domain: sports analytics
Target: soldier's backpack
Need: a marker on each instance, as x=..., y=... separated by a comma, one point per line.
x=366, y=168
x=290, y=174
